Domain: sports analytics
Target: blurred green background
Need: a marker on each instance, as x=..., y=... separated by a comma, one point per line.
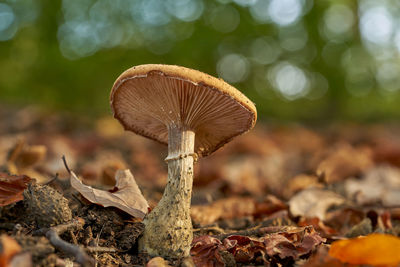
x=296, y=59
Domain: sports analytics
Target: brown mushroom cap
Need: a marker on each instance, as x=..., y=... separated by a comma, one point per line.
x=147, y=99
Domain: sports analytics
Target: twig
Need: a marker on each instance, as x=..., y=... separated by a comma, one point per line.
x=52, y=180
x=101, y=249
x=256, y=231
x=215, y=229
x=61, y=228
x=96, y=242
x=53, y=235
x=65, y=164
x=80, y=255
x=73, y=237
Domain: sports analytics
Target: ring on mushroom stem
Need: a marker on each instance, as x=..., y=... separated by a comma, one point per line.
x=194, y=155
x=195, y=114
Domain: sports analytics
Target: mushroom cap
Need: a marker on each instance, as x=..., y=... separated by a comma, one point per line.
x=149, y=99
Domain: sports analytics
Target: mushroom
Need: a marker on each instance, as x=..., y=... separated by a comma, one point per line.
x=195, y=114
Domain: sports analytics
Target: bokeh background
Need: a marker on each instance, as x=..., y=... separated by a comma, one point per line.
x=296, y=59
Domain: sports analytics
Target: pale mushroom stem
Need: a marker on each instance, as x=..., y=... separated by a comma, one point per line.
x=168, y=228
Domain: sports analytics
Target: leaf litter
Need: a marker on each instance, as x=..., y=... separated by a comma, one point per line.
x=125, y=195
x=12, y=188
x=278, y=196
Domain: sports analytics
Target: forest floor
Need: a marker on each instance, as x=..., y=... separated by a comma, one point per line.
x=279, y=195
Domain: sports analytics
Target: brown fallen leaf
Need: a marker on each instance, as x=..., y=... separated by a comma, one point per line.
x=23, y=158
x=206, y=251
x=314, y=202
x=288, y=242
x=255, y=175
x=345, y=161
x=235, y=207
x=9, y=248
x=103, y=167
x=318, y=225
x=379, y=185
x=300, y=182
x=157, y=262
x=245, y=249
x=12, y=188
x=374, y=249
x=227, y=208
x=294, y=242
x=126, y=195
x=343, y=219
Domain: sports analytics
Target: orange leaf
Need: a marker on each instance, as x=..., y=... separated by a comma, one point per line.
x=374, y=249
x=10, y=247
x=12, y=187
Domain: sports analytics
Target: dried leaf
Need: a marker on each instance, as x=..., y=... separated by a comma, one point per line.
x=319, y=225
x=126, y=197
x=300, y=182
x=103, y=167
x=235, y=207
x=345, y=161
x=379, y=185
x=158, y=262
x=374, y=249
x=294, y=242
x=9, y=248
x=290, y=242
x=245, y=249
x=205, y=251
x=23, y=158
x=314, y=202
x=228, y=208
x=12, y=187
x=343, y=219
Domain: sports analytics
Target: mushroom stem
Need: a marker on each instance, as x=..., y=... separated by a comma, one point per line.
x=168, y=230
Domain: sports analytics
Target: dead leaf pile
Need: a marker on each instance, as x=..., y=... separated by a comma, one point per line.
x=289, y=244
x=343, y=180
x=235, y=207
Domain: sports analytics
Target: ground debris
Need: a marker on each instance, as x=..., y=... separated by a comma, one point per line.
x=275, y=197
x=276, y=244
